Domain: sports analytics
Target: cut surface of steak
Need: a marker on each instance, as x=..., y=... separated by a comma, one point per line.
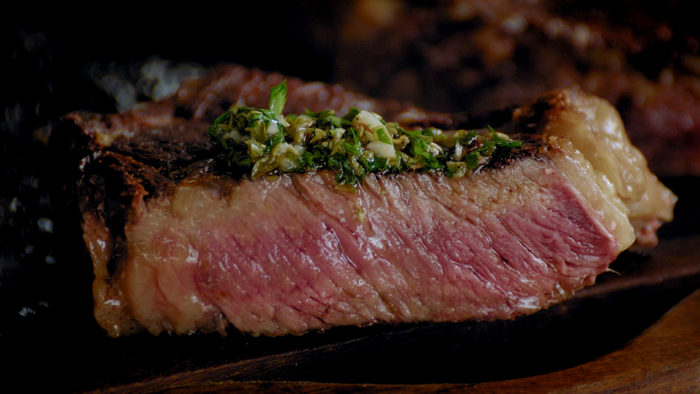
x=293, y=253
x=594, y=127
x=179, y=246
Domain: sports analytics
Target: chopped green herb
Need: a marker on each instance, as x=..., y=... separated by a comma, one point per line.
x=278, y=97
x=265, y=142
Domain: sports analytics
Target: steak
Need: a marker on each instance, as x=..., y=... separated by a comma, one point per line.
x=180, y=246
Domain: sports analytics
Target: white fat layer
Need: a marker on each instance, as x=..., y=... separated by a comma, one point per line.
x=595, y=129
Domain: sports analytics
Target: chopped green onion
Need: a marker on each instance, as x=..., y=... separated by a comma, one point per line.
x=278, y=97
x=265, y=142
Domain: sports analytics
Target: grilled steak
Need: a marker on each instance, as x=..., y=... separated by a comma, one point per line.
x=180, y=246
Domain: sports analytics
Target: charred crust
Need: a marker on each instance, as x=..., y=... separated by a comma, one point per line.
x=531, y=118
x=532, y=147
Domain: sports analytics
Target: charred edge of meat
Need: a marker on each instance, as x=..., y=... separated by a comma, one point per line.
x=468, y=121
x=529, y=119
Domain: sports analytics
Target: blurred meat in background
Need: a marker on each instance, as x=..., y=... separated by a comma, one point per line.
x=476, y=56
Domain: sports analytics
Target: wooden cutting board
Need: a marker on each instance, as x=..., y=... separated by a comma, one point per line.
x=665, y=358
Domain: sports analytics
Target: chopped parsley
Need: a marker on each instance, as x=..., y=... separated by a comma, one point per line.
x=264, y=142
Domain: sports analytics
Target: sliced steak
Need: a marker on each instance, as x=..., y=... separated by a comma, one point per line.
x=293, y=253
x=180, y=246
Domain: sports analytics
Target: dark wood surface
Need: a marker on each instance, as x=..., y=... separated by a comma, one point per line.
x=664, y=358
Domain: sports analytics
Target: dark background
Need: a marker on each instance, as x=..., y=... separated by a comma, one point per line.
x=55, y=62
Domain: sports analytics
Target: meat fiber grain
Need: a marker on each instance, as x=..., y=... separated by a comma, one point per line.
x=293, y=253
